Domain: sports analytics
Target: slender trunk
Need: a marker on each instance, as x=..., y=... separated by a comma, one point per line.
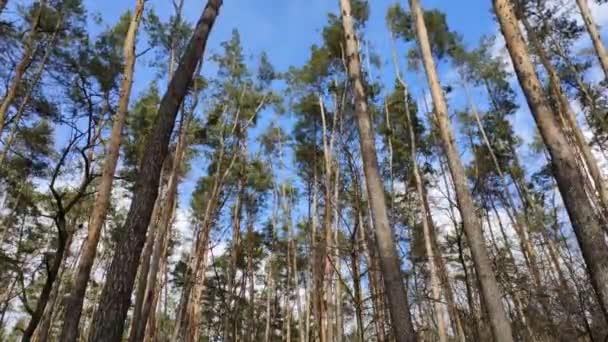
x=566, y=109
x=251, y=333
x=337, y=263
x=155, y=290
x=269, y=290
x=585, y=222
x=356, y=243
x=69, y=331
x=146, y=294
x=42, y=331
x=443, y=273
x=367, y=244
x=153, y=245
x=583, y=88
x=499, y=322
x=29, y=52
x=426, y=229
x=26, y=99
x=144, y=263
x=111, y=313
x=594, y=33
x=520, y=228
x=192, y=290
x=387, y=249
x=228, y=323
x=52, y=273
x=316, y=298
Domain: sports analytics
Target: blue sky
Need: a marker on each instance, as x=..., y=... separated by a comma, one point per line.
x=285, y=29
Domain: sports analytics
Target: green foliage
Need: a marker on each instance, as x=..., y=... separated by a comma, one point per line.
x=443, y=41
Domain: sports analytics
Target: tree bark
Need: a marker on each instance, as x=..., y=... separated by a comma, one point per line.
x=69, y=331
x=17, y=117
x=26, y=60
x=389, y=262
x=52, y=272
x=491, y=293
x=426, y=228
x=585, y=222
x=594, y=33
x=152, y=237
x=108, y=321
x=166, y=215
x=566, y=109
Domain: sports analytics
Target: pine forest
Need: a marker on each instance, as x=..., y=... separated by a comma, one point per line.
x=304, y=170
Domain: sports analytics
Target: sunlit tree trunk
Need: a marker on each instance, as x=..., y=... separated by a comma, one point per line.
x=26, y=98
x=30, y=49
x=228, y=322
x=569, y=177
x=151, y=238
x=426, y=229
x=566, y=109
x=69, y=331
x=499, y=322
x=111, y=313
x=41, y=333
x=389, y=262
x=594, y=33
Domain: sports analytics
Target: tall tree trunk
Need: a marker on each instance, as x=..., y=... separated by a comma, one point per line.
x=26, y=98
x=426, y=228
x=110, y=316
x=251, y=326
x=491, y=293
x=151, y=238
x=29, y=52
x=594, y=33
x=192, y=289
x=566, y=109
x=69, y=331
x=42, y=331
x=230, y=293
x=63, y=241
x=569, y=177
x=583, y=88
x=367, y=249
x=147, y=287
x=389, y=262
x=358, y=298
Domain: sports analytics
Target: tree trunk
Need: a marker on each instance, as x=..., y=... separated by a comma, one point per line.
x=108, y=321
x=25, y=62
x=147, y=288
x=491, y=293
x=358, y=301
x=251, y=326
x=594, y=33
x=230, y=293
x=366, y=244
x=389, y=262
x=151, y=238
x=75, y=300
x=426, y=229
x=566, y=109
x=42, y=331
x=585, y=222
x=52, y=272
x=17, y=117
